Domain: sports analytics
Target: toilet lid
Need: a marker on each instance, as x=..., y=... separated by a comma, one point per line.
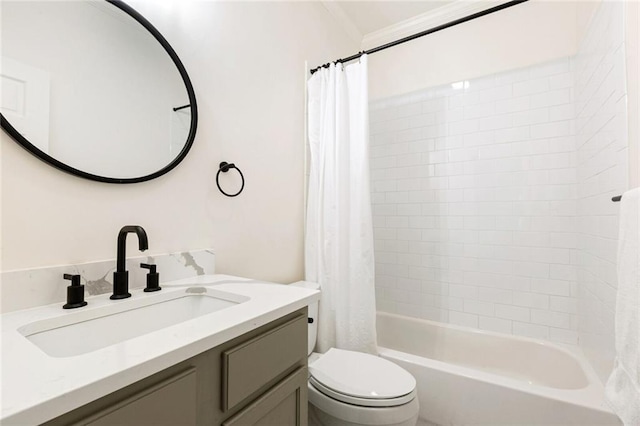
x=362, y=379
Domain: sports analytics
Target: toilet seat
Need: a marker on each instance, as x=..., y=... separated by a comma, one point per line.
x=361, y=379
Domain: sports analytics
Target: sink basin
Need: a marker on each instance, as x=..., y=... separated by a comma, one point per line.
x=88, y=330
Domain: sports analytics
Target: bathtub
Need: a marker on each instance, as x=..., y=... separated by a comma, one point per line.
x=473, y=377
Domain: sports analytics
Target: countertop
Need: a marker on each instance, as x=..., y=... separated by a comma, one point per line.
x=37, y=387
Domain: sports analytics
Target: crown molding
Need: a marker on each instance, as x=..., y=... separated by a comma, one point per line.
x=343, y=20
x=427, y=20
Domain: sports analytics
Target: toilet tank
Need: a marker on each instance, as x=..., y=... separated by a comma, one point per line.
x=313, y=315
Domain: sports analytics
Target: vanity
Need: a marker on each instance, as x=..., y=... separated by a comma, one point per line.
x=208, y=349
x=212, y=349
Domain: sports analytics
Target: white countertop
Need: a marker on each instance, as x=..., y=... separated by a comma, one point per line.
x=37, y=387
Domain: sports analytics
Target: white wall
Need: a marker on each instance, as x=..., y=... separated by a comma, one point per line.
x=523, y=35
x=603, y=171
x=246, y=61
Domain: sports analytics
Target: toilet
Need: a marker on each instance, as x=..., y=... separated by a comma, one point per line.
x=352, y=388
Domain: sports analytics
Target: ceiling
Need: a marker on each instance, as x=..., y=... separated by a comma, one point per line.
x=370, y=16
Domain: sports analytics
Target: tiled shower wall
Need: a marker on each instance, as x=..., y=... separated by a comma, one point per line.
x=601, y=138
x=492, y=196
x=474, y=192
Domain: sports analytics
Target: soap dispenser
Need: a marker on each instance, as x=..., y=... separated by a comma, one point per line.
x=75, y=293
x=153, y=278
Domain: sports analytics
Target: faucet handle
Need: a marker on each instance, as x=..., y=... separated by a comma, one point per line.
x=150, y=267
x=153, y=278
x=75, y=279
x=75, y=293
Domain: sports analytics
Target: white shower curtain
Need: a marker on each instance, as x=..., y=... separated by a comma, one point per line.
x=339, y=231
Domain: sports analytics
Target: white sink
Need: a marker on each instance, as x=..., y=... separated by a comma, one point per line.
x=88, y=329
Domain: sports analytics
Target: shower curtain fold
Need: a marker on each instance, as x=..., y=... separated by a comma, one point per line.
x=339, y=231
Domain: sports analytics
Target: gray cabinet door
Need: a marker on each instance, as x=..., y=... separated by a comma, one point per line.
x=283, y=405
x=171, y=403
x=250, y=366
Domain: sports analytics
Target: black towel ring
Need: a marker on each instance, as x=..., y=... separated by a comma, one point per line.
x=224, y=168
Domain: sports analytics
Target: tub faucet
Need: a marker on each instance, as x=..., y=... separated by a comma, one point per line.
x=121, y=275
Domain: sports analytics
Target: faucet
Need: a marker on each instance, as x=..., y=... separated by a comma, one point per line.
x=121, y=275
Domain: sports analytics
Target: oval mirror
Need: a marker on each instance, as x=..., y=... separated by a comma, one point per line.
x=92, y=88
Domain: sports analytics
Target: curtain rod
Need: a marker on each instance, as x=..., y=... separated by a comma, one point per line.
x=423, y=33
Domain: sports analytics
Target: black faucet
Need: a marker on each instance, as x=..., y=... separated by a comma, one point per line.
x=121, y=275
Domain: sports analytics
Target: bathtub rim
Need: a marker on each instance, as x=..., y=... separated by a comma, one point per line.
x=590, y=396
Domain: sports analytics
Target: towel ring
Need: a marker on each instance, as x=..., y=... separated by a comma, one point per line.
x=224, y=168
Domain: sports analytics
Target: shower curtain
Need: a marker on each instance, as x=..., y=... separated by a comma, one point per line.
x=339, y=230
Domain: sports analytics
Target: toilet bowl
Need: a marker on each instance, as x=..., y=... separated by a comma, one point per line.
x=348, y=388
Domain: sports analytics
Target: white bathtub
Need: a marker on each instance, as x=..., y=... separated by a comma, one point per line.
x=473, y=377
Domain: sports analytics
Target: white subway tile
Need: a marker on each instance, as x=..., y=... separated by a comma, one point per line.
x=435, y=131
x=412, y=184
x=495, y=237
x=495, y=324
x=562, y=112
x=563, y=272
x=409, y=309
x=512, y=312
x=535, y=116
x=480, y=223
x=563, y=336
x=435, y=105
x=564, y=240
x=377, y=198
x=552, y=319
x=463, y=319
x=384, y=234
x=421, y=145
x=512, y=135
x=479, y=138
x=479, y=110
x=531, y=300
x=561, y=81
x=449, y=142
x=530, y=330
x=495, y=295
x=397, y=222
x=531, y=86
x=562, y=144
x=433, y=287
x=496, y=93
x=551, y=98
x=407, y=209
x=464, y=127
x=397, y=197
x=550, y=255
x=522, y=103
x=551, y=287
x=480, y=308
x=564, y=304
x=449, y=115
x=464, y=154
x=551, y=130
x=449, y=169
x=435, y=314
x=422, y=120
x=495, y=122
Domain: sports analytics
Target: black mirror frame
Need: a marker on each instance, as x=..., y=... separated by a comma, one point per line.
x=22, y=141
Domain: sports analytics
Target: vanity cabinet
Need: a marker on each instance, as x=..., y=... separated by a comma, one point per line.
x=259, y=378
